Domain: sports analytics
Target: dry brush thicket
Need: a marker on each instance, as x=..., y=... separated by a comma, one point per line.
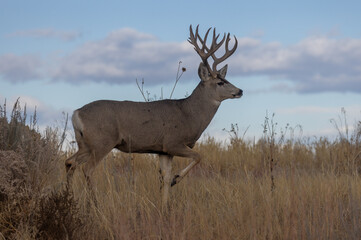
x=280, y=187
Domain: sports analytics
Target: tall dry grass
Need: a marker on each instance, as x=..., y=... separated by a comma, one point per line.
x=280, y=187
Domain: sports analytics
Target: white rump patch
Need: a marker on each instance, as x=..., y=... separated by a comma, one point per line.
x=77, y=123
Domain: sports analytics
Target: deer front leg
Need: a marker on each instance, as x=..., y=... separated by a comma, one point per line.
x=165, y=164
x=72, y=162
x=185, y=151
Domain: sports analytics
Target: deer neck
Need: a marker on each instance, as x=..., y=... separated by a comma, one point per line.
x=201, y=106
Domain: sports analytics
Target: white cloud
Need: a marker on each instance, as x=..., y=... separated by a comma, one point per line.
x=123, y=56
x=47, y=33
x=16, y=68
x=315, y=64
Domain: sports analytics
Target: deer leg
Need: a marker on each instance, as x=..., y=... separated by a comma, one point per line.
x=71, y=163
x=165, y=164
x=187, y=152
x=94, y=158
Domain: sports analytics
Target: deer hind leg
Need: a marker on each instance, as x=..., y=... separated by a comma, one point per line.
x=165, y=164
x=185, y=151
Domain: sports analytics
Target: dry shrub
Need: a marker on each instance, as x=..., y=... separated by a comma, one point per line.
x=57, y=216
x=13, y=175
x=31, y=166
x=15, y=196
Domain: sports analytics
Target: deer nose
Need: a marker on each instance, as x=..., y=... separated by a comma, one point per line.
x=238, y=94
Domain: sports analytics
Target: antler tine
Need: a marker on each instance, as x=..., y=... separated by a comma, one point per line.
x=196, y=36
x=214, y=46
x=215, y=38
x=191, y=35
x=205, y=40
x=227, y=54
x=193, y=38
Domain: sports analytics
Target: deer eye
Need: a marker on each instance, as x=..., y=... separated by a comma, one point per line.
x=220, y=83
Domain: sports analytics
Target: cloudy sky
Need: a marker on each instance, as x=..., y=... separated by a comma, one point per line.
x=300, y=60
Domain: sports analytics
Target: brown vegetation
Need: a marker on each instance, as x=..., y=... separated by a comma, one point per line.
x=280, y=187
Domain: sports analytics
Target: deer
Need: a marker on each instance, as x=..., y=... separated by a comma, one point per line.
x=165, y=127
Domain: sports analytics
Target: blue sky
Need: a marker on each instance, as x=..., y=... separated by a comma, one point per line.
x=298, y=59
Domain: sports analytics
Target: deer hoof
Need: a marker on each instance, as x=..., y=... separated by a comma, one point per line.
x=174, y=182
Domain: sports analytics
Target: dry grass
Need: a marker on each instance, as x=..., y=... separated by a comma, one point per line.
x=312, y=191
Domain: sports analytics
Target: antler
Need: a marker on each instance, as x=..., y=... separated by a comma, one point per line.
x=206, y=52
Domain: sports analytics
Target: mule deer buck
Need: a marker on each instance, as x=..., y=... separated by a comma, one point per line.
x=167, y=127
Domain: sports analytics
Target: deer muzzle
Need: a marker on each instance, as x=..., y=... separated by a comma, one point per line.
x=238, y=94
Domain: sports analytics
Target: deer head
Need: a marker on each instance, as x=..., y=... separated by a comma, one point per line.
x=215, y=79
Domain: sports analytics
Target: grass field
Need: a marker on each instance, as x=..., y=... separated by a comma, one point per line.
x=279, y=187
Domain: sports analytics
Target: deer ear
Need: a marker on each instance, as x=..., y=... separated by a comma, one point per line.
x=223, y=71
x=203, y=72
